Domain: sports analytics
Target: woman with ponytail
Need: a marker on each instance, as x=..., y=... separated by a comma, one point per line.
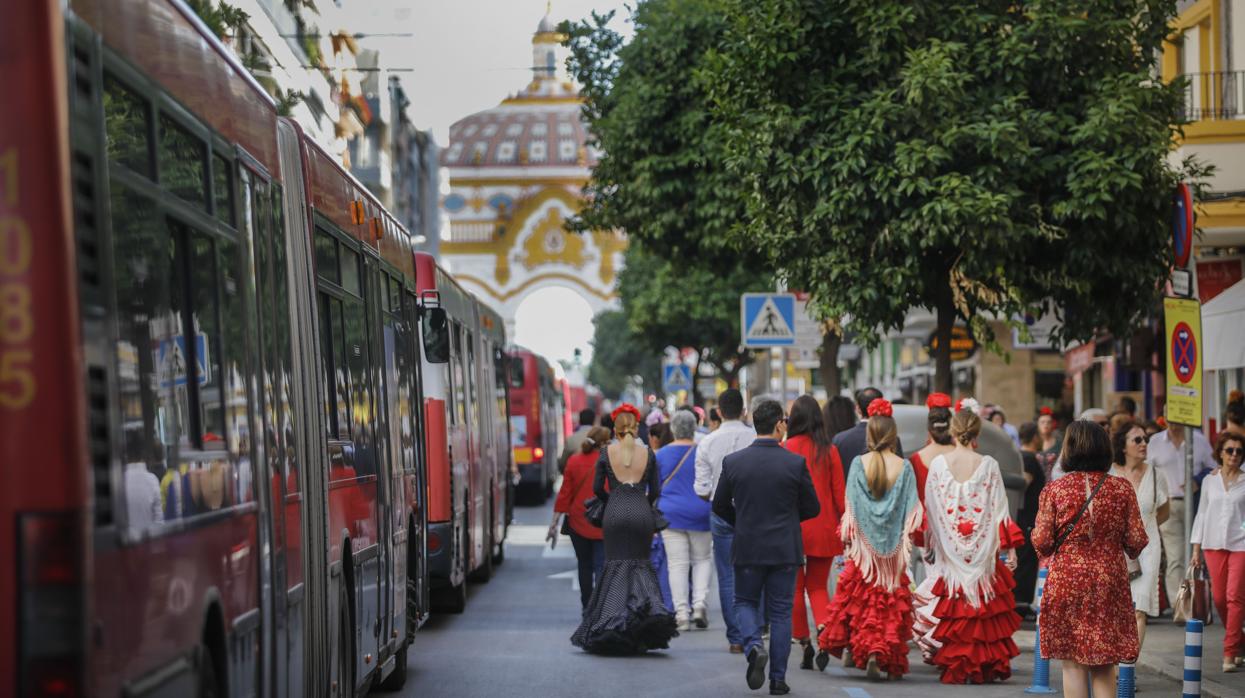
x=965, y=611
x=869, y=620
x=626, y=614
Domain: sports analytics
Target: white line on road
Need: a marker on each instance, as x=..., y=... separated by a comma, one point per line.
x=572, y=575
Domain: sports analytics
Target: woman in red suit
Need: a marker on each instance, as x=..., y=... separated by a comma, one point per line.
x=577, y=487
x=806, y=435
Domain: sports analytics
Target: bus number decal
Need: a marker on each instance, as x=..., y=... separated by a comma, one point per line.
x=17, y=322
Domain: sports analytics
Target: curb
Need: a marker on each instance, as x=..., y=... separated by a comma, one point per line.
x=1212, y=687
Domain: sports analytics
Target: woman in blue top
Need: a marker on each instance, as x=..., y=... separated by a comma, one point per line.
x=688, y=541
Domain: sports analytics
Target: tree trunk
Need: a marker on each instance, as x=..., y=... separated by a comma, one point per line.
x=831, y=340
x=945, y=308
x=696, y=398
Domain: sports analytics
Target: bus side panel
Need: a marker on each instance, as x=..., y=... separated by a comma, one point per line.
x=41, y=397
x=439, y=508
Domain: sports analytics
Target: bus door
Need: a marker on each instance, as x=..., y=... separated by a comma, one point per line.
x=416, y=479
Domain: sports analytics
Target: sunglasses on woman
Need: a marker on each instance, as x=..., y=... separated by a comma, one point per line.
x=1234, y=451
x=1141, y=440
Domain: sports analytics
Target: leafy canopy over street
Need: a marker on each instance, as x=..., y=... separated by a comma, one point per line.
x=982, y=159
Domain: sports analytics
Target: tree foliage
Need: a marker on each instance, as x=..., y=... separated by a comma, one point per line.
x=678, y=302
x=980, y=158
x=617, y=355
x=662, y=174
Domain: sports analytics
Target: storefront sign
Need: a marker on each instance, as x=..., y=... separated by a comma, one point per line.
x=1079, y=359
x=962, y=343
x=1214, y=276
x=1183, y=320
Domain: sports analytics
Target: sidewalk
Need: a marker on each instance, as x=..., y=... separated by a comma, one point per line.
x=1163, y=654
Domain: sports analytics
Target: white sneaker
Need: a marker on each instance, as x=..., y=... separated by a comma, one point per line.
x=681, y=623
x=700, y=617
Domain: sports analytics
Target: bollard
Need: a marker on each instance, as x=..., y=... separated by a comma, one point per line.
x=1126, y=682
x=1041, y=665
x=1192, y=659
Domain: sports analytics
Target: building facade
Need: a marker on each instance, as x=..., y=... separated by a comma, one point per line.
x=516, y=174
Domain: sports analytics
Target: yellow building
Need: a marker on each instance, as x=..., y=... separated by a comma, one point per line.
x=1207, y=49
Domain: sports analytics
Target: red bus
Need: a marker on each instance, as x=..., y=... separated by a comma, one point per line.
x=210, y=378
x=537, y=416
x=468, y=447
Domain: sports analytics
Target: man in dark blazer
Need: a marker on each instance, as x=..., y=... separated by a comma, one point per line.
x=765, y=491
x=851, y=443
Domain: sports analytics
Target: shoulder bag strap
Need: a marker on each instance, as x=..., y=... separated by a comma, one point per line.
x=1072, y=524
x=676, y=468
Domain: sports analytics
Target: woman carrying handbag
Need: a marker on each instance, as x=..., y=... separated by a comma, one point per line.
x=1087, y=522
x=1219, y=534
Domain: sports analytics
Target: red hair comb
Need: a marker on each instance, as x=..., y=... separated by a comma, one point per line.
x=880, y=407
x=625, y=407
x=938, y=400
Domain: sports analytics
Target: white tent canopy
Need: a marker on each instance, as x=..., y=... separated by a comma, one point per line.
x=1223, y=329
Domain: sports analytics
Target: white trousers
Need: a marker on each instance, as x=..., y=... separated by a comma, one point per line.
x=688, y=550
x=1172, y=532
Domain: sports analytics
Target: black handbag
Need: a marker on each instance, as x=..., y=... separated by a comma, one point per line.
x=594, y=511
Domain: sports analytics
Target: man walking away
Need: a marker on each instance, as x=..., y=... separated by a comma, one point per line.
x=851, y=443
x=765, y=492
x=576, y=440
x=732, y=436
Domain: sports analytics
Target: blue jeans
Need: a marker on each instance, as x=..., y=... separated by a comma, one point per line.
x=777, y=583
x=723, y=537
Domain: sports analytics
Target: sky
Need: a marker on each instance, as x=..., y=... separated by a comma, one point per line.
x=466, y=56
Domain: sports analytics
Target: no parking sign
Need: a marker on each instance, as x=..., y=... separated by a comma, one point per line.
x=1183, y=320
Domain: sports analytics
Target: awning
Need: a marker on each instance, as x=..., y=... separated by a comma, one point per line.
x=1223, y=329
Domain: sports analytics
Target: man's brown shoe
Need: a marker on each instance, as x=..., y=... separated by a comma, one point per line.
x=737, y=649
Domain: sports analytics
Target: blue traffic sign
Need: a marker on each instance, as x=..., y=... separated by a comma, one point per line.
x=171, y=361
x=676, y=377
x=767, y=319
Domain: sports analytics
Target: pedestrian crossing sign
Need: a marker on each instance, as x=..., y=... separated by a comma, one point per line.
x=676, y=377
x=767, y=319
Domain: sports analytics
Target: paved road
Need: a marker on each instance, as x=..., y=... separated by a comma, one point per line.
x=513, y=640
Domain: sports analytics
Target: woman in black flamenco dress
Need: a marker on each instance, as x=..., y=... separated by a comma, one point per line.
x=626, y=614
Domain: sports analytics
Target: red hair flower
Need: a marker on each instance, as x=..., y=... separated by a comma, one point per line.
x=625, y=407
x=938, y=400
x=1046, y=412
x=880, y=407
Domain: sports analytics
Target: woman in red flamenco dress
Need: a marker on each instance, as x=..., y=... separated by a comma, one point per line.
x=965, y=615
x=869, y=620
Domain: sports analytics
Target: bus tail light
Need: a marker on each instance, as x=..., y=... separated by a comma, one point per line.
x=50, y=635
x=434, y=542
x=538, y=453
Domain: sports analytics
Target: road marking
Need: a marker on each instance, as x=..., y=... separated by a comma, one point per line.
x=572, y=575
x=855, y=692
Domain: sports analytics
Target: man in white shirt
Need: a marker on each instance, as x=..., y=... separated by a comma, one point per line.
x=1166, y=454
x=732, y=436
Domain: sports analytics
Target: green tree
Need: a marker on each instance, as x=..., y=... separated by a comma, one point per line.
x=617, y=355
x=677, y=302
x=982, y=158
x=662, y=173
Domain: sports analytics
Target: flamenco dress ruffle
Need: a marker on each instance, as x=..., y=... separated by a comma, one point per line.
x=626, y=614
x=869, y=620
x=970, y=644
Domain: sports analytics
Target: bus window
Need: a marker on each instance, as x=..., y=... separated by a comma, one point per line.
x=207, y=342
x=222, y=190
x=516, y=372
x=232, y=380
x=337, y=386
x=182, y=162
x=141, y=289
x=350, y=270
x=456, y=362
x=127, y=122
x=326, y=257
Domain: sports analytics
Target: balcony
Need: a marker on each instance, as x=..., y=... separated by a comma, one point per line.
x=1214, y=96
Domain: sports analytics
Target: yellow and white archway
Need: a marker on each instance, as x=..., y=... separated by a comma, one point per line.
x=516, y=175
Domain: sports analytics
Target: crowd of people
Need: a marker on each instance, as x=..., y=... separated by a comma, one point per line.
x=772, y=502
